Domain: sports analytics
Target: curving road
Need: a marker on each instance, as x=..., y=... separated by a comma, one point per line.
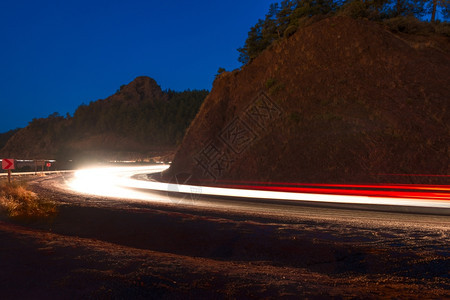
x=308, y=238
x=140, y=238
x=133, y=183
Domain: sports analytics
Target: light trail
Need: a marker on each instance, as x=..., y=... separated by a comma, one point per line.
x=118, y=182
x=392, y=191
x=111, y=181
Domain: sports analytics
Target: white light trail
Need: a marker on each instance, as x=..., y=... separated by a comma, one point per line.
x=110, y=181
x=118, y=182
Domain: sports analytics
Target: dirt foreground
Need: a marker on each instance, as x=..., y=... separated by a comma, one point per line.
x=99, y=248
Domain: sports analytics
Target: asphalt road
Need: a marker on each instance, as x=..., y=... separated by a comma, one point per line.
x=131, y=183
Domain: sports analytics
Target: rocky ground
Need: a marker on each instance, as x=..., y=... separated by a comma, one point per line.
x=102, y=248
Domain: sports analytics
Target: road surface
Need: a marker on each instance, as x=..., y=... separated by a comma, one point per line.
x=134, y=242
x=133, y=183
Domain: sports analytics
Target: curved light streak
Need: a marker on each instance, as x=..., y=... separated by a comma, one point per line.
x=118, y=182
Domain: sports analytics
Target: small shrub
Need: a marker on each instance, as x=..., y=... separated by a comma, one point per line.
x=16, y=201
x=355, y=9
x=276, y=89
x=270, y=83
x=290, y=30
x=442, y=28
x=295, y=117
x=410, y=25
x=220, y=71
x=273, y=86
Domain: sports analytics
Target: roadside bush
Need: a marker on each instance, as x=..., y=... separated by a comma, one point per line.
x=16, y=201
x=355, y=9
x=270, y=83
x=290, y=30
x=409, y=24
x=442, y=28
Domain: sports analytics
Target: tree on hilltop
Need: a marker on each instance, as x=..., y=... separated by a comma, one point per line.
x=284, y=18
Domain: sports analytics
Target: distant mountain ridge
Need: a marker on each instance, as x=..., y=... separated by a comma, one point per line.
x=139, y=119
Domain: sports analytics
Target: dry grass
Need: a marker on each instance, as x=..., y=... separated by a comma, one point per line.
x=16, y=201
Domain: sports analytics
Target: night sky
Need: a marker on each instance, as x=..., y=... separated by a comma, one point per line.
x=56, y=55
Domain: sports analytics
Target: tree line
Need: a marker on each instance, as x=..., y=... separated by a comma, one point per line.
x=151, y=123
x=283, y=18
x=161, y=122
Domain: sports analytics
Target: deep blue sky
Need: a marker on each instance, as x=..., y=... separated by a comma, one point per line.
x=55, y=55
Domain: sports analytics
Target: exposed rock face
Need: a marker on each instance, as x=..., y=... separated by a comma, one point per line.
x=140, y=89
x=341, y=100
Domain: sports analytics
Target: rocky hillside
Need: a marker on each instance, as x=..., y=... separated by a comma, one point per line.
x=4, y=137
x=131, y=124
x=341, y=100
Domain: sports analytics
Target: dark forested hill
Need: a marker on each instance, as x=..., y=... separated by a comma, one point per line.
x=4, y=137
x=138, y=119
